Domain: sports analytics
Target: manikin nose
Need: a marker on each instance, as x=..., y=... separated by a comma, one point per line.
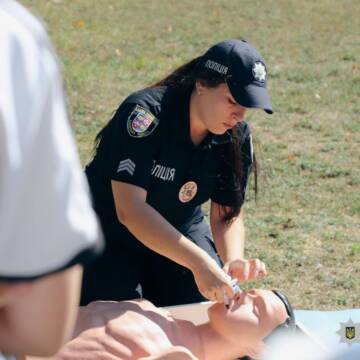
x=252, y=294
x=248, y=299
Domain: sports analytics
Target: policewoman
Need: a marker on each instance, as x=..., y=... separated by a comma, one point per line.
x=168, y=149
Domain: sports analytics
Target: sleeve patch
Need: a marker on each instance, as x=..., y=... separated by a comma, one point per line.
x=141, y=122
x=126, y=165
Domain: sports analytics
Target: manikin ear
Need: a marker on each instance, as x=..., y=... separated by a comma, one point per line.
x=256, y=350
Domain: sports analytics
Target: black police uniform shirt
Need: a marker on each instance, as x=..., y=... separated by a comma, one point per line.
x=147, y=143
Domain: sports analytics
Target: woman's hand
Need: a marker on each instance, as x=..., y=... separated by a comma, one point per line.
x=212, y=282
x=245, y=270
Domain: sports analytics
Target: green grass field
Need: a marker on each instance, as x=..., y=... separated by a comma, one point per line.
x=306, y=222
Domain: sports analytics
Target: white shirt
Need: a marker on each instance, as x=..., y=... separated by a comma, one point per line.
x=46, y=219
x=7, y=357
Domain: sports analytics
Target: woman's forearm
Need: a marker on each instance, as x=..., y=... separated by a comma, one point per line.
x=154, y=231
x=229, y=238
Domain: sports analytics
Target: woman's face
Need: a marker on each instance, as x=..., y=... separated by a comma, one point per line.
x=251, y=316
x=217, y=109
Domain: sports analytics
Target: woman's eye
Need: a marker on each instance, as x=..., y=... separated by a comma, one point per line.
x=232, y=102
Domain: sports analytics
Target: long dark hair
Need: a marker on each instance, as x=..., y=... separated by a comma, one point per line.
x=184, y=79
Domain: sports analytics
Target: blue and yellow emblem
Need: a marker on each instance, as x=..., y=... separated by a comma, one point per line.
x=350, y=332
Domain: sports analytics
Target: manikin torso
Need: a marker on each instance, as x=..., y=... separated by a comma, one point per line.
x=127, y=330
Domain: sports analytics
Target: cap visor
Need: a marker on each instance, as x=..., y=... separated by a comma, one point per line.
x=251, y=96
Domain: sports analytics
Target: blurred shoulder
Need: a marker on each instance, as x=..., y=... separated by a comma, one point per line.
x=19, y=25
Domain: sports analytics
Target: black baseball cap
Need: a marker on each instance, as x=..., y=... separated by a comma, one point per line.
x=244, y=71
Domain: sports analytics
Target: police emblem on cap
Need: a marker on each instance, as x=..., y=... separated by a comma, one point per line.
x=141, y=122
x=188, y=191
x=259, y=71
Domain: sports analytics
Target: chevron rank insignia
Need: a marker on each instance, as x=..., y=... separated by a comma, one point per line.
x=141, y=122
x=126, y=165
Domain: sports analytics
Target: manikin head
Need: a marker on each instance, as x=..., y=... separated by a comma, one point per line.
x=252, y=317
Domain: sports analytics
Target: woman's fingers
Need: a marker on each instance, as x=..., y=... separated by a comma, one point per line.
x=246, y=270
x=257, y=269
x=220, y=293
x=224, y=294
x=239, y=269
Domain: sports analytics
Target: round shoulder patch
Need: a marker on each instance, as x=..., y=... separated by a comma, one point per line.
x=188, y=191
x=141, y=122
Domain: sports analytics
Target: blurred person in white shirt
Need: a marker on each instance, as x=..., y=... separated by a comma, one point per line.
x=48, y=229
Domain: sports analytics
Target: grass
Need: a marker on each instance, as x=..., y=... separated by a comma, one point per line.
x=306, y=223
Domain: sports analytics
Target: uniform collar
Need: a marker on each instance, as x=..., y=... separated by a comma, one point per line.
x=180, y=113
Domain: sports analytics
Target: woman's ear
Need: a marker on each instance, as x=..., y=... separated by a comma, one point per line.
x=200, y=86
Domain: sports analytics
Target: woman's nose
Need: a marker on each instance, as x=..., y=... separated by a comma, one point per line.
x=238, y=117
x=239, y=114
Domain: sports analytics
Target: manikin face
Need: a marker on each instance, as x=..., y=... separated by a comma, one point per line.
x=250, y=317
x=218, y=110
